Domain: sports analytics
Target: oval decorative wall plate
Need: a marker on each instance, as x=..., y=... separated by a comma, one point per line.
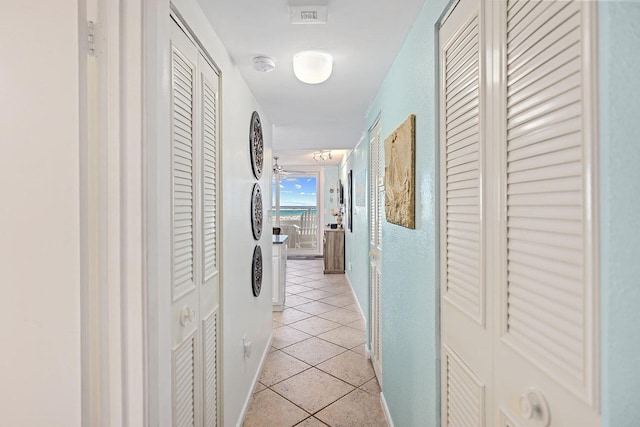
x=256, y=211
x=256, y=145
x=256, y=267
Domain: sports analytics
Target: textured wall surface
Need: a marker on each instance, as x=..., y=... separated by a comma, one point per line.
x=357, y=241
x=620, y=210
x=410, y=352
x=410, y=319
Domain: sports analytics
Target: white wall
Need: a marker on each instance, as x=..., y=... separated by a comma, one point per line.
x=39, y=214
x=331, y=200
x=242, y=313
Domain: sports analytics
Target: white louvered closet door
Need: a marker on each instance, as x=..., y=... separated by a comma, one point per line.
x=518, y=219
x=466, y=337
x=376, y=188
x=194, y=234
x=548, y=316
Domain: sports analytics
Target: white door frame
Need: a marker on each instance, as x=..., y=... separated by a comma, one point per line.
x=124, y=136
x=318, y=172
x=112, y=213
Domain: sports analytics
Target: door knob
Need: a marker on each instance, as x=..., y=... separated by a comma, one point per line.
x=533, y=406
x=187, y=315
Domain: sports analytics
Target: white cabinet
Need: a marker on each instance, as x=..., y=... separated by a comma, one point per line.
x=279, y=271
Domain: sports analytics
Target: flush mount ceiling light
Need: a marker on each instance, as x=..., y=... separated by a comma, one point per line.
x=312, y=67
x=263, y=64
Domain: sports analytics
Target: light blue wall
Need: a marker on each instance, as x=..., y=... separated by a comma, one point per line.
x=410, y=317
x=619, y=52
x=409, y=297
x=357, y=241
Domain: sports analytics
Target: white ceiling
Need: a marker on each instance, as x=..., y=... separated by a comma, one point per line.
x=363, y=36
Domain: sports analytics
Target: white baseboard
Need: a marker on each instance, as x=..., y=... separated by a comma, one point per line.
x=356, y=298
x=254, y=384
x=385, y=409
x=367, y=349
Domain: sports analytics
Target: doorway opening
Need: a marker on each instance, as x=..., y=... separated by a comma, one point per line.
x=296, y=210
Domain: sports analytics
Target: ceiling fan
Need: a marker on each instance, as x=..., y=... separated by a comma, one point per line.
x=279, y=169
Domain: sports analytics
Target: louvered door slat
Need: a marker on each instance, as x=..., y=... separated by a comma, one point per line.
x=561, y=52
x=182, y=143
x=463, y=96
x=458, y=259
x=565, y=312
x=464, y=61
x=380, y=190
x=519, y=10
x=463, y=76
x=464, y=394
x=565, y=289
x=545, y=191
x=461, y=411
x=526, y=97
x=470, y=130
x=464, y=148
x=463, y=109
x=462, y=171
x=545, y=237
x=209, y=198
x=184, y=377
x=464, y=299
x=555, y=23
x=464, y=267
x=210, y=334
x=524, y=307
x=541, y=344
x=466, y=37
x=460, y=123
x=540, y=147
x=527, y=112
x=373, y=187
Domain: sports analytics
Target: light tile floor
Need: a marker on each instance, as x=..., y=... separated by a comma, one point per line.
x=316, y=373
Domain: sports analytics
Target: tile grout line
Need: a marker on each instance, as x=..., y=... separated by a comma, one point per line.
x=335, y=325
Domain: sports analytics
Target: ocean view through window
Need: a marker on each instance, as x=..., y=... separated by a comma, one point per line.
x=298, y=213
x=297, y=194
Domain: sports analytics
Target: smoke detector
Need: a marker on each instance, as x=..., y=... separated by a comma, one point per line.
x=308, y=14
x=264, y=64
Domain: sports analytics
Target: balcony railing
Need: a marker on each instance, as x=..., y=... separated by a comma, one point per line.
x=291, y=225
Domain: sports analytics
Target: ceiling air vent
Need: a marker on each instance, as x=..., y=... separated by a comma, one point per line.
x=308, y=14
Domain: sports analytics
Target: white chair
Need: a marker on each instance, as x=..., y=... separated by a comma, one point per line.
x=307, y=231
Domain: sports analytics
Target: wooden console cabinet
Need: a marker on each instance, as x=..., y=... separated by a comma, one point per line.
x=333, y=248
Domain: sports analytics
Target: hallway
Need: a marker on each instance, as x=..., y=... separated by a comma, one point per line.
x=316, y=373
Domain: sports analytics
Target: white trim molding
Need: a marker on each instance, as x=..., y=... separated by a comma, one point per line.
x=254, y=383
x=353, y=292
x=385, y=409
x=112, y=215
